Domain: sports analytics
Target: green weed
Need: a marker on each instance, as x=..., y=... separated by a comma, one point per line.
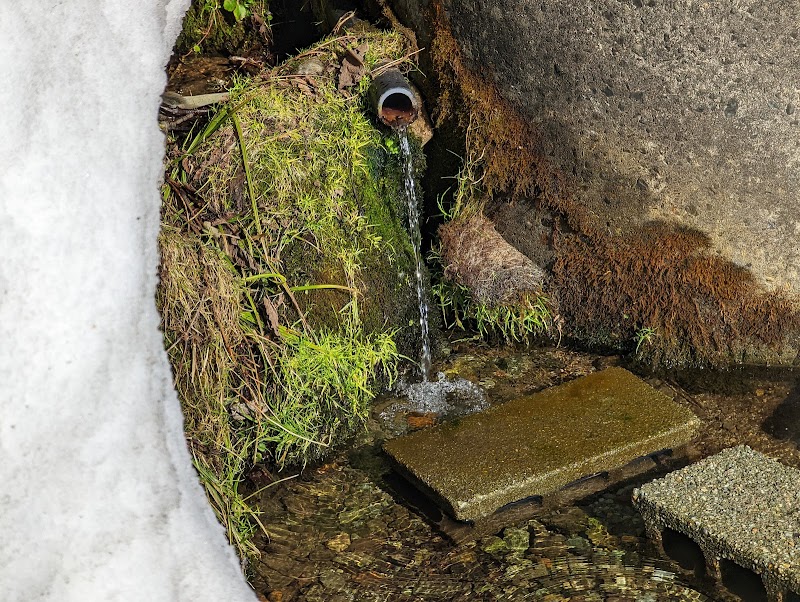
x=530, y=316
x=237, y=7
x=644, y=336
x=327, y=385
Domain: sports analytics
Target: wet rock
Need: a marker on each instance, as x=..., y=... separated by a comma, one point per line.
x=517, y=567
x=339, y=543
x=494, y=545
x=580, y=544
x=571, y=522
x=516, y=540
x=333, y=580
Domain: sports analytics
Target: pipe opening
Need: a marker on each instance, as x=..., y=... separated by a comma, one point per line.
x=397, y=109
x=393, y=99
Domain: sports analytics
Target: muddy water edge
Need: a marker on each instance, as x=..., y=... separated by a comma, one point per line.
x=345, y=531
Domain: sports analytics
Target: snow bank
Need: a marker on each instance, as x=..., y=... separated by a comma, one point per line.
x=98, y=499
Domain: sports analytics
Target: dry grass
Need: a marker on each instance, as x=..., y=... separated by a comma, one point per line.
x=475, y=256
x=288, y=182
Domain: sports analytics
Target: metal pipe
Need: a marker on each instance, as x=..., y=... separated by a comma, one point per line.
x=393, y=99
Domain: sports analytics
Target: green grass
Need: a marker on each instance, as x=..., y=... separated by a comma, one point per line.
x=644, y=336
x=327, y=386
x=280, y=244
x=516, y=322
x=519, y=321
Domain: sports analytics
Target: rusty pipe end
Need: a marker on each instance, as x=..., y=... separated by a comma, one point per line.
x=393, y=99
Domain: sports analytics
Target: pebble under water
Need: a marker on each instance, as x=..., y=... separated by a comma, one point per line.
x=344, y=531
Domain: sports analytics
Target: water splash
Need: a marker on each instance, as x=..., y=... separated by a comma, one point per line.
x=447, y=398
x=416, y=240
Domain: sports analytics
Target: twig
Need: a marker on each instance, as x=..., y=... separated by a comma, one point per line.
x=343, y=21
x=385, y=66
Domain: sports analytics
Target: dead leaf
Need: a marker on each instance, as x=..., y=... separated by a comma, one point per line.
x=352, y=69
x=272, y=315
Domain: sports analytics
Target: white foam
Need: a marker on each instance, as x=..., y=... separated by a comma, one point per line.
x=98, y=498
x=443, y=397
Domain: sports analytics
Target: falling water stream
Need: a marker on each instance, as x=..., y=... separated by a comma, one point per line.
x=416, y=240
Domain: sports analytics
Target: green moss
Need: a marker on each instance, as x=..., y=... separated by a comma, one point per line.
x=291, y=194
x=210, y=29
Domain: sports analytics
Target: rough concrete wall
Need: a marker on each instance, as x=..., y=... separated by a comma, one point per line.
x=681, y=111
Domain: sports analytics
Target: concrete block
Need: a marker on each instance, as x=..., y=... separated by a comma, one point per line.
x=537, y=444
x=738, y=505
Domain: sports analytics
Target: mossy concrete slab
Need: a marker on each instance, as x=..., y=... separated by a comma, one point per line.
x=535, y=445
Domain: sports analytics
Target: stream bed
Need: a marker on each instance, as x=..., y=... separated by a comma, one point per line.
x=340, y=532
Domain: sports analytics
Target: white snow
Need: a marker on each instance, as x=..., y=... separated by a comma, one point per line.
x=98, y=498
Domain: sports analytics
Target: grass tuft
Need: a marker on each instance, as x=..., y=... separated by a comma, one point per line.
x=525, y=314
x=282, y=274
x=514, y=322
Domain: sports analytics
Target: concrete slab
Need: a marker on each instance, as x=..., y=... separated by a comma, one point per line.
x=535, y=445
x=738, y=505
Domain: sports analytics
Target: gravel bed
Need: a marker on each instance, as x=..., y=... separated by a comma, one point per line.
x=337, y=534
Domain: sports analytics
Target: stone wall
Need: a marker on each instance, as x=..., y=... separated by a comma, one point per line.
x=677, y=111
x=682, y=113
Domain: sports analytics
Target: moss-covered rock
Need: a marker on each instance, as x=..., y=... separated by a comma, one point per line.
x=209, y=28
x=299, y=193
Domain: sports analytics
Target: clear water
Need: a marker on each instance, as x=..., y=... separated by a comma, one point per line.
x=416, y=240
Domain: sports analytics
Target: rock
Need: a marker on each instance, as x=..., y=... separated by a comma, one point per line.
x=309, y=67
x=580, y=544
x=494, y=545
x=664, y=122
x=517, y=540
x=339, y=543
x=633, y=119
x=421, y=127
